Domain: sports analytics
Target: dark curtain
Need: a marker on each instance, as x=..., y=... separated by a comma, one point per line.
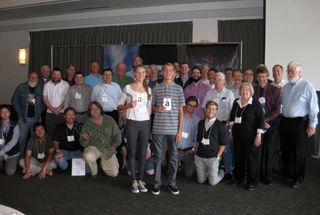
x=251, y=33
x=81, y=46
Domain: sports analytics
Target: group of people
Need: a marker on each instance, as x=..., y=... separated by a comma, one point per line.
x=215, y=124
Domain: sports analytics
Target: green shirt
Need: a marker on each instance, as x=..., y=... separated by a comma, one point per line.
x=122, y=82
x=102, y=136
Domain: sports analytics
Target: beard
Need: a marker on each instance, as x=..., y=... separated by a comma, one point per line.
x=196, y=79
x=55, y=81
x=293, y=80
x=32, y=83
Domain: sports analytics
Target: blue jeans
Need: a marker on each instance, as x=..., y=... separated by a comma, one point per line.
x=227, y=157
x=158, y=140
x=67, y=155
x=25, y=128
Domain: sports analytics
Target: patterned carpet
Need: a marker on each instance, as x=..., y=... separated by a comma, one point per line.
x=63, y=194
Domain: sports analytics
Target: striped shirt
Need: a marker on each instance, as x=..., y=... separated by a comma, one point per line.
x=166, y=123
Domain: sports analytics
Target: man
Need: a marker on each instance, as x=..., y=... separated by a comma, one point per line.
x=54, y=94
x=107, y=94
x=94, y=77
x=277, y=73
x=197, y=89
x=27, y=102
x=167, y=104
x=136, y=61
x=184, y=80
x=177, y=68
x=121, y=78
x=224, y=99
x=237, y=78
x=248, y=76
x=211, y=73
x=66, y=139
x=229, y=78
x=44, y=74
x=78, y=97
x=153, y=76
x=298, y=122
x=71, y=70
x=100, y=136
x=211, y=138
x=204, y=74
x=187, y=144
x=39, y=153
x=269, y=98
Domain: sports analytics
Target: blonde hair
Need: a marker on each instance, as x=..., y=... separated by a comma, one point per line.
x=247, y=84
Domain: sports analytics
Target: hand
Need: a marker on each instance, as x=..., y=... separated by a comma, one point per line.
x=124, y=164
x=266, y=125
x=310, y=131
x=84, y=136
x=59, y=155
x=134, y=103
x=257, y=140
x=42, y=174
x=178, y=137
x=190, y=152
x=160, y=108
x=27, y=175
x=148, y=153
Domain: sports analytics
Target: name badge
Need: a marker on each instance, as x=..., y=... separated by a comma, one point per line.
x=238, y=120
x=185, y=135
x=2, y=142
x=70, y=138
x=125, y=140
x=33, y=101
x=205, y=141
x=262, y=100
x=77, y=96
x=167, y=104
x=41, y=155
x=104, y=97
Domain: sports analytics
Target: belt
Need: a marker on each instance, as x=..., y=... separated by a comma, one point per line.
x=304, y=118
x=186, y=149
x=82, y=112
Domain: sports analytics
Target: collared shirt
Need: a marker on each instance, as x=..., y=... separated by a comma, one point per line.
x=78, y=97
x=249, y=102
x=107, y=95
x=209, y=122
x=56, y=93
x=166, y=122
x=189, y=128
x=122, y=82
x=224, y=99
x=92, y=80
x=236, y=92
x=229, y=85
x=299, y=100
x=200, y=92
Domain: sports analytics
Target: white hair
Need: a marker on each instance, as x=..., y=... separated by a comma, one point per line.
x=221, y=74
x=295, y=65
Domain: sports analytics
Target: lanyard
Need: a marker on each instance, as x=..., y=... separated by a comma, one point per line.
x=204, y=130
x=165, y=90
x=241, y=111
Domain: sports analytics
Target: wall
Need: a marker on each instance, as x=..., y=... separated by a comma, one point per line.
x=292, y=33
x=11, y=73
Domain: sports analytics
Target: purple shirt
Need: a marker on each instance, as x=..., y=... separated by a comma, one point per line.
x=200, y=92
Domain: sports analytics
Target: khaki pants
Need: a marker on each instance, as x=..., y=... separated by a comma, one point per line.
x=36, y=166
x=111, y=166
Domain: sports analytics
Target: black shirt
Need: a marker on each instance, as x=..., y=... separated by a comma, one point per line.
x=61, y=134
x=216, y=135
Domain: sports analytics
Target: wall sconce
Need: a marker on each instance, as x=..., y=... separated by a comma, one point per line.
x=22, y=56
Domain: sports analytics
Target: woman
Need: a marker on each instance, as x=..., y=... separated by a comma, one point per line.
x=136, y=100
x=246, y=120
x=9, y=136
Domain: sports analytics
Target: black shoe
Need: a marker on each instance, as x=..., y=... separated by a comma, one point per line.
x=250, y=187
x=173, y=189
x=227, y=177
x=268, y=181
x=156, y=189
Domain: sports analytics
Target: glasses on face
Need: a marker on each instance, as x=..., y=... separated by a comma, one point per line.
x=194, y=106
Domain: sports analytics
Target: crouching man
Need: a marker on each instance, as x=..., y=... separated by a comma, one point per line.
x=211, y=139
x=39, y=155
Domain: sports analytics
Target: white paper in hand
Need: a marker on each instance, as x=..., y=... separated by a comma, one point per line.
x=78, y=167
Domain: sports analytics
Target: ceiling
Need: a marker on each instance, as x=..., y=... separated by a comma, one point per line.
x=22, y=9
